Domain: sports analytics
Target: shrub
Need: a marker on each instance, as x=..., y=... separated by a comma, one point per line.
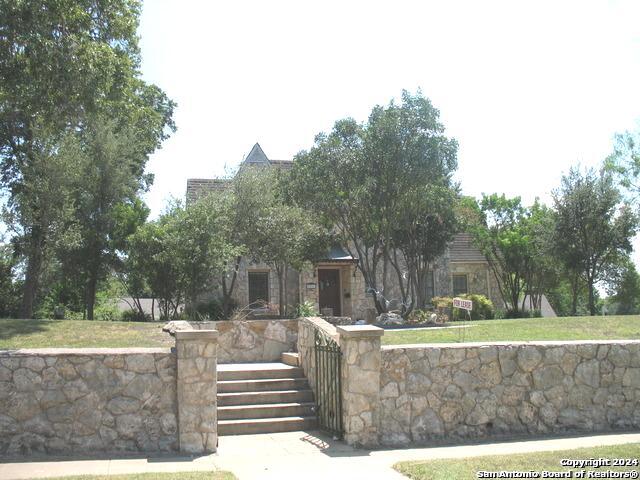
x=483, y=308
x=306, y=309
x=211, y=310
x=135, y=316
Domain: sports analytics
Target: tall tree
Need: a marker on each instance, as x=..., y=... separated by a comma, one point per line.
x=61, y=60
x=594, y=226
x=362, y=178
x=503, y=238
x=624, y=162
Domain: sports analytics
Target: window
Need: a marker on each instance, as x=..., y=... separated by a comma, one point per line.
x=460, y=284
x=430, y=287
x=258, y=289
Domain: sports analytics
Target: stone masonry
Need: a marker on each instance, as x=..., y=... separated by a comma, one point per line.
x=361, y=361
x=197, y=390
x=87, y=400
x=255, y=340
x=464, y=391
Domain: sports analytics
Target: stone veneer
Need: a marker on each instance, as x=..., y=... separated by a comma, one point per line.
x=450, y=391
x=252, y=340
x=361, y=362
x=360, y=374
x=87, y=400
x=197, y=390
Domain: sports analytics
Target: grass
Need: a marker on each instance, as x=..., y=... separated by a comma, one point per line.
x=81, y=333
x=467, y=468
x=561, y=328
x=158, y=476
x=84, y=333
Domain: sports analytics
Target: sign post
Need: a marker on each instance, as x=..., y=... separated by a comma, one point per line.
x=463, y=304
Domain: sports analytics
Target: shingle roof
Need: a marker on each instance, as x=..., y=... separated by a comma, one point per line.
x=197, y=187
x=462, y=249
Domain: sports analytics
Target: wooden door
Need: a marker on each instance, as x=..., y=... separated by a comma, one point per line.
x=329, y=290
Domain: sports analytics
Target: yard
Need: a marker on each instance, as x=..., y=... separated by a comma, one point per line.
x=84, y=333
x=81, y=333
x=467, y=468
x=525, y=329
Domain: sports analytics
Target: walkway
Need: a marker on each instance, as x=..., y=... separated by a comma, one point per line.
x=296, y=455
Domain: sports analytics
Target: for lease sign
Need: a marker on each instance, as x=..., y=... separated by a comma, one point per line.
x=463, y=304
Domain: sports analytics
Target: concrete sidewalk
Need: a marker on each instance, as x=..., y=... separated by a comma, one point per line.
x=294, y=455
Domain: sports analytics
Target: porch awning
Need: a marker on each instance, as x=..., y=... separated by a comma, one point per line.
x=337, y=255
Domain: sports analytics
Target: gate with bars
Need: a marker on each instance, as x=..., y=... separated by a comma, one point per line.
x=328, y=371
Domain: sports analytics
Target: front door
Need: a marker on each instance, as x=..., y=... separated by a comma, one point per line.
x=329, y=290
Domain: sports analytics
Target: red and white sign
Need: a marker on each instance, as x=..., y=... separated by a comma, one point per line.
x=463, y=304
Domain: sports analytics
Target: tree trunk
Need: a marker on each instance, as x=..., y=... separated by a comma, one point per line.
x=281, y=291
x=592, y=302
x=574, y=291
x=32, y=274
x=90, y=294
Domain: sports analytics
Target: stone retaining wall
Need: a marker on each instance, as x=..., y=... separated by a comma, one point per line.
x=87, y=400
x=451, y=391
x=305, y=345
x=252, y=340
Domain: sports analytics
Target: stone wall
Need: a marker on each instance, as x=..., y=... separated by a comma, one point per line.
x=305, y=345
x=470, y=391
x=87, y=400
x=360, y=374
x=252, y=340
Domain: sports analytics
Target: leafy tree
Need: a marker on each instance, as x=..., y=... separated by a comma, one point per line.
x=502, y=236
x=107, y=208
x=624, y=162
x=363, y=178
x=594, y=226
x=177, y=256
x=61, y=61
x=624, y=288
x=9, y=286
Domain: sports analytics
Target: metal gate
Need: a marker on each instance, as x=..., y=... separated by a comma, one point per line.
x=328, y=391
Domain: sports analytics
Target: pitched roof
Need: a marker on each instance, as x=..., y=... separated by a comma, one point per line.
x=197, y=187
x=462, y=249
x=256, y=155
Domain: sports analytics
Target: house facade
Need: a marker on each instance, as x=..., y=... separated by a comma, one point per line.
x=334, y=284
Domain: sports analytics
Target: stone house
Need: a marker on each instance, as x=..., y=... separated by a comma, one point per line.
x=334, y=284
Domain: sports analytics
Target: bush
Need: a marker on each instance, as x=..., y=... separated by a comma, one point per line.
x=483, y=308
x=135, y=316
x=211, y=310
x=306, y=309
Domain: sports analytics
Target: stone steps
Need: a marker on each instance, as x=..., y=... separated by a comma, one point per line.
x=269, y=410
x=255, y=371
x=265, y=425
x=290, y=358
x=262, y=385
x=263, y=398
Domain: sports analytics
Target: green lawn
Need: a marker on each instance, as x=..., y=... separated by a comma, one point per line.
x=467, y=468
x=563, y=328
x=81, y=333
x=158, y=476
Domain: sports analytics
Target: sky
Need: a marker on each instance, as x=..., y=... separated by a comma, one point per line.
x=528, y=88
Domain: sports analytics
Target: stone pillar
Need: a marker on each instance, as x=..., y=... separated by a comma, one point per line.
x=361, y=360
x=197, y=390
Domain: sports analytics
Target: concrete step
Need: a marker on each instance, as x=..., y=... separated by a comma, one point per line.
x=274, y=410
x=290, y=358
x=258, y=398
x=254, y=371
x=262, y=385
x=265, y=425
